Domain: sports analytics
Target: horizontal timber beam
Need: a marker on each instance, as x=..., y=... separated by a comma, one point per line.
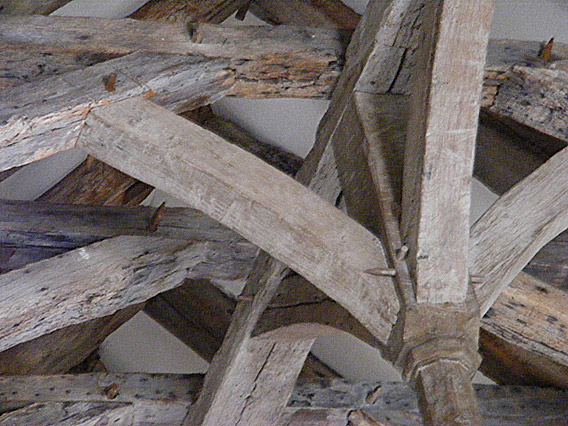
x=164, y=399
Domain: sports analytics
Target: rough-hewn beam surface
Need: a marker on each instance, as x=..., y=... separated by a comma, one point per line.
x=438, y=158
x=54, y=110
x=163, y=399
x=237, y=199
x=213, y=11
x=515, y=227
x=92, y=282
x=313, y=13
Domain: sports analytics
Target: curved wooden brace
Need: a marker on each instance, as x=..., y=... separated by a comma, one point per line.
x=517, y=226
x=242, y=192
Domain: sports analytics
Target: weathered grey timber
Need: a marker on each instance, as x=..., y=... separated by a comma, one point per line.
x=236, y=198
x=58, y=351
x=40, y=119
x=29, y=7
x=162, y=397
x=315, y=13
x=124, y=36
x=523, y=336
x=213, y=11
x=517, y=226
x=95, y=281
x=70, y=414
x=439, y=151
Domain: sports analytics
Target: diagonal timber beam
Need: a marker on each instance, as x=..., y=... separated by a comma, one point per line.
x=242, y=194
x=93, y=282
x=50, y=127
x=517, y=226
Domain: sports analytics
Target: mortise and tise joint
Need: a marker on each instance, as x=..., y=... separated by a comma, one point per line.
x=157, y=217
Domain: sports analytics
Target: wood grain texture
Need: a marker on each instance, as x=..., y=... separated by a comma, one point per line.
x=314, y=13
x=526, y=330
x=312, y=400
x=56, y=109
x=64, y=348
x=92, y=282
x=439, y=152
x=69, y=414
x=30, y=7
x=215, y=11
x=519, y=224
x=237, y=200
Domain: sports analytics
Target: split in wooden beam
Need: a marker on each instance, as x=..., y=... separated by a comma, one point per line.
x=54, y=125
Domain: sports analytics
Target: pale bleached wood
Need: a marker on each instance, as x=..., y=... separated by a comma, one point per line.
x=40, y=119
x=30, y=7
x=214, y=11
x=242, y=194
x=392, y=403
x=124, y=36
x=314, y=13
x=235, y=372
x=439, y=153
x=523, y=338
x=70, y=414
x=92, y=282
x=515, y=227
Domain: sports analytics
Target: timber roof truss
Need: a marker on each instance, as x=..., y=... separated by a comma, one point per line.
x=369, y=234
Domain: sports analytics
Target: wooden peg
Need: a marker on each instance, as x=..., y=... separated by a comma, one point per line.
x=401, y=253
x=110, y=82
x=382, y=272
x=157, y=218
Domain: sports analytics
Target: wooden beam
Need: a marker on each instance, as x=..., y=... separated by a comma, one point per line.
x=92, y=282
x=124, y=36
x=517, y=226
x=235, y=205
x=313, y=13
x=523, y=335
x=438, y=162
x=69, y=414
x=214, y=12
x=62, y=349
x=163, y=398
x=30, y=7
x=53, y=126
